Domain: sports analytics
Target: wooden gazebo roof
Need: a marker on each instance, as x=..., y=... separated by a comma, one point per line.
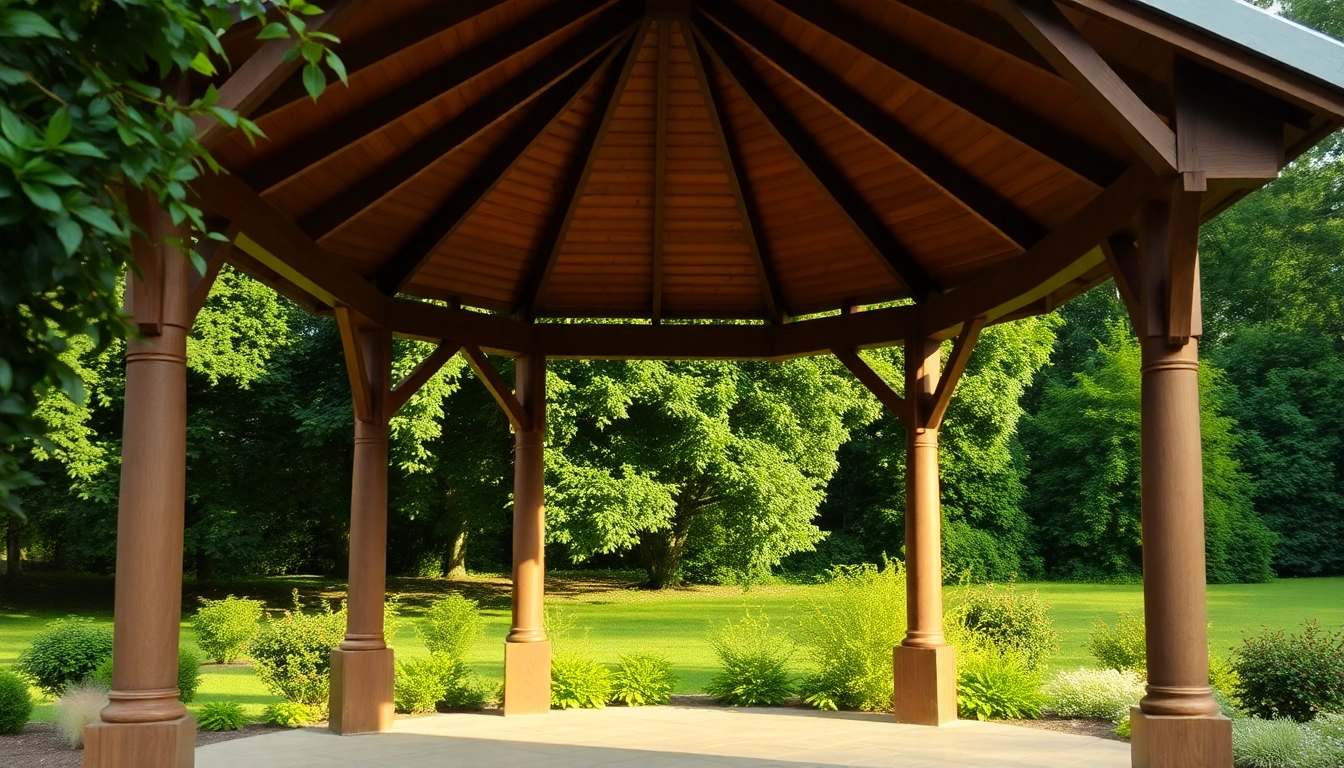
x=743, y=159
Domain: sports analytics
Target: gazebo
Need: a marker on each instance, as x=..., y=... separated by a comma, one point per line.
x=730, y=179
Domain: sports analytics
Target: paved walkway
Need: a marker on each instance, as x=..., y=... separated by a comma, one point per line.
x=659, y=737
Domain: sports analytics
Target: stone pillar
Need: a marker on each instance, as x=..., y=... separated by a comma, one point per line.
x=362, y=666
x=925, y=665
x=1177, y=723
x=527, y=652
x=145, y=725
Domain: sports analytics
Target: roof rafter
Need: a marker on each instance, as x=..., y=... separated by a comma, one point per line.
x=927, y=160
x=660, y=164
x=888, y=248
x=573, y=182
x=450, y=214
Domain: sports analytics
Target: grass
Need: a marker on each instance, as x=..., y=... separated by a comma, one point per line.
x=612, y=617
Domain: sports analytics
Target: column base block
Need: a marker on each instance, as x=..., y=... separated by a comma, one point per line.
x=527, y=678
x=165, y=744
x=1159, y=741
x=926, y=685
x=361, y=691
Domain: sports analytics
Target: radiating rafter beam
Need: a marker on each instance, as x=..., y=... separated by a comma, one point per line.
x=1063, y=147
x=573, y=181
x=660, y=164
x=489, y=376
x=927, y=160
x=423, y=372
x=874, y=383
x=743, y=193
x=956, y=365
x=307, y=151
x=888, y=248
x=1043, y=25
x=391, y=39
x=546, y=72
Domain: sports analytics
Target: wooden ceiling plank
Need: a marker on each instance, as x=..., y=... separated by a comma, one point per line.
x=1046, y=28
x=574, y=182
x=423, y=372
x=1082, y=158
x=886, y=246
x=660, y=165
x=489, y=376
x=743, y=193
x=390, y=40
x=322, y=143
x=927, y=160
x=874, y=383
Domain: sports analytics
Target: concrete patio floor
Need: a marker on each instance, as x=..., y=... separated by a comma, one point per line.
x=654, y=737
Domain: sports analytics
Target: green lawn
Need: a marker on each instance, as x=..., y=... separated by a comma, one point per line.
x=614, y=618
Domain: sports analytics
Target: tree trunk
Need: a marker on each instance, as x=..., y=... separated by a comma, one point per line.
x=662, y=550
x=13, y=555
x=455, y=564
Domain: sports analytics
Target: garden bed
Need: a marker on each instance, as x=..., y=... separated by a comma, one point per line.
x=38, y=746
x=1101, y=729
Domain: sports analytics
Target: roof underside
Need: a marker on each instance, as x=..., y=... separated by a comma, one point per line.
x=751, y=159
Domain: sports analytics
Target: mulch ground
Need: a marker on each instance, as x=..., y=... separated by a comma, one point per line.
x=38, y=745
x=1101, y=729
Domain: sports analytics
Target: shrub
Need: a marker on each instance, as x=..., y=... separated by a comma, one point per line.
x=1097, y=694
x=847, y=630
x=464, y=692
x=452, y=626
x=1293, y=676
x=1222, y=677
x=290, y=714
x=188, y=674
x=421, y=683
x=76, y=709
x=755, y=661
x=1120, y=647
x=221, y=716
x=1009, y=620
x=225, y=627
x=579, y=682
x=292, y=654
x=16, y=703
x=998, y=686
x=1123, y=728
x=393, y=623
x=1284, y=743
x=643, y=679
x=66, y=653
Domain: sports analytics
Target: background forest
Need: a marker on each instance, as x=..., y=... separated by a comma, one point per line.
x=734, y=472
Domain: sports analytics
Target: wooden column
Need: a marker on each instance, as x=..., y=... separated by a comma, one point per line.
x=527, y=652
x=362, y=666
x=925, y=665
x=145, y=725
x=1177, y=723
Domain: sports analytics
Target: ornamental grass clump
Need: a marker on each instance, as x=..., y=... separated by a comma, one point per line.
x=225, y=627
x=292, y=654
x=847, y=631
x=221, y=716
x=1094, y=694
x=1285, y=743
x=995, y=685
x=1120, y=646
x=67, y=652
x=76, y=709
x=1296, y=676
x=755, y=661
x=642, y=679
x=578, y=682
x=16, y=702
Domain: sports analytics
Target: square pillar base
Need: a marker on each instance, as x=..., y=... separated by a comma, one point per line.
x=926, y=685
x=165, y=744
x=1158, y=741
x=527, y=678
x=361, y=691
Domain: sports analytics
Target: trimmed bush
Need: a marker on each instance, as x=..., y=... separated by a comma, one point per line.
x=847, y=630
x=451, y=626
x=1011, y=621
x=464, y=692
x=66, y=653
x=225, y=627
x=292, y=655
x=755, y=663
x=998, y=686
x=1097, y=694
x=76, y=709
x=188, y=674
x=421, y=683
x=643, y=679
x=221, y=716
x=579, y=682
x=1120, y=647
x=1294, y=676
x=16, y=703
x=1284, y=743
x=289, y=714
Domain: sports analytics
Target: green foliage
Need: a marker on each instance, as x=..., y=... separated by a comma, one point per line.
x=1295, y=676
x=642, y=679
x=451, y=626
x=755, y=662
x=66, y=653
x=292, y=655
x=221, y=716
x=225, y=627
x=421, y=683
x=579, y=682
x=1123, y=729
x=1099, y=694
x=16, y=703
x=847, y=630
x=289, y=714
x=188, y=674
x=998, y=686
x=1122, y=646
x=1009, y=620
x=1284, y=743
x=464, y=692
